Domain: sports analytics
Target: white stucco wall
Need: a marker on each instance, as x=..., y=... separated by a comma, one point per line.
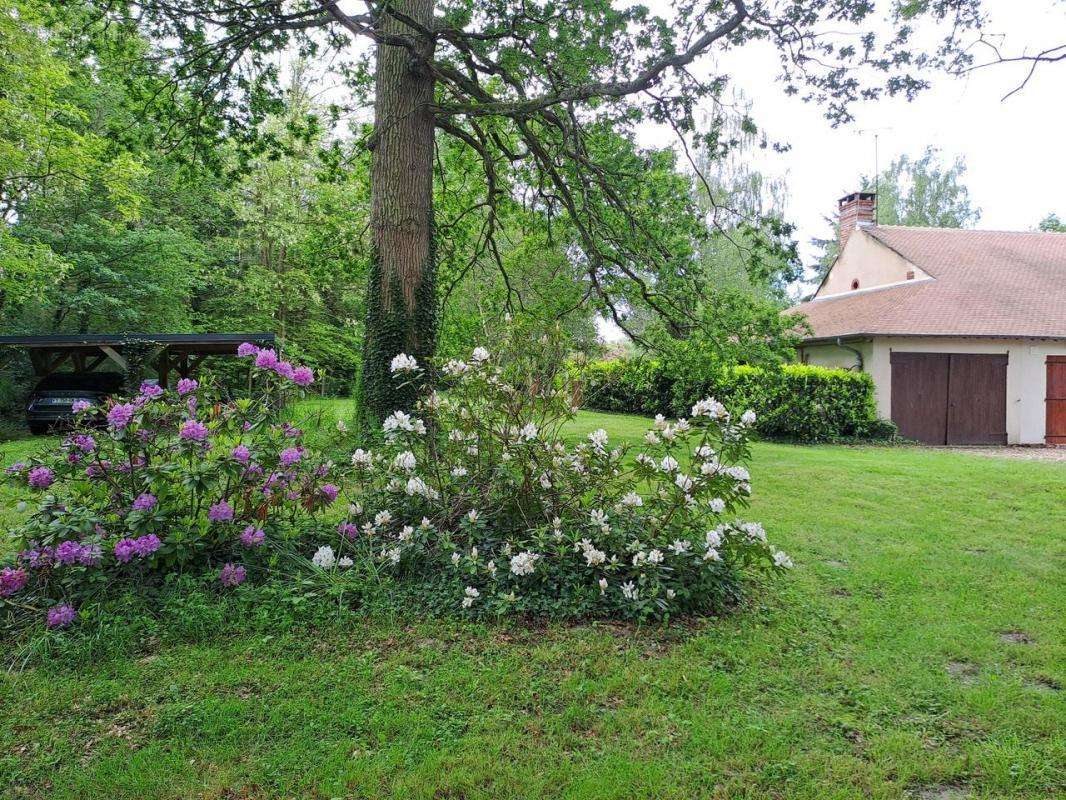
x=869, y=262
x=1026, y=372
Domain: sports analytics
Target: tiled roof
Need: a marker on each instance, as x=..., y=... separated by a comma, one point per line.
x=985, y=283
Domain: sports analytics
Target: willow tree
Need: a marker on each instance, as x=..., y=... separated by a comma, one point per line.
x=548, y=95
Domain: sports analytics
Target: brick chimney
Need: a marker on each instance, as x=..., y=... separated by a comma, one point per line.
x=856, y=210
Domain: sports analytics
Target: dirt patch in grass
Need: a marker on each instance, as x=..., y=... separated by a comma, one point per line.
x=1015, y=637
x=943, y=792
x=964, y=672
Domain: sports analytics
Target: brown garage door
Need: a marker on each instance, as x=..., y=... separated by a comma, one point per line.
x=1055, y=432
x=950, y=398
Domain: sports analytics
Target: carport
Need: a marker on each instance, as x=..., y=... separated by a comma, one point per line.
x=177, y=353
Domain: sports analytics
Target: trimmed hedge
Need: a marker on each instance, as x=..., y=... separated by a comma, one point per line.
x=794, y=401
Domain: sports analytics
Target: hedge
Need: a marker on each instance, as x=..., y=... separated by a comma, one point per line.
x=794, y=401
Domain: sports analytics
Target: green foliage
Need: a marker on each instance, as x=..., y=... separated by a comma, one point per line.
x=923, y=192
x=792, y=401
x=1052, y=224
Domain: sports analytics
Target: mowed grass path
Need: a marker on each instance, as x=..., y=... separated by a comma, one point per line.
x=917, y=650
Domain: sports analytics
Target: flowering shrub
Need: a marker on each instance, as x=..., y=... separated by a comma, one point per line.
x=476, y=495
x=163, y=482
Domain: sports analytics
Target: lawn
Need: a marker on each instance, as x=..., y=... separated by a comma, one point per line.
x=917, y=650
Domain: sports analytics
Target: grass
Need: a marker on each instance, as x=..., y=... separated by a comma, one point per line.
x=881, y=667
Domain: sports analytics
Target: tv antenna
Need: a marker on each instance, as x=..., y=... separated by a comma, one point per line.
x=877, y=174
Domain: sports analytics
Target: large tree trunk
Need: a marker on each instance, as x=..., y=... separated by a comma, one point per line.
x=401, y=297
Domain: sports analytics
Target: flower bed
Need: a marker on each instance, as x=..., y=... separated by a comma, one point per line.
x=473, y=500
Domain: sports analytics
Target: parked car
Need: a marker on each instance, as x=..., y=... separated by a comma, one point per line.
x=52, y=398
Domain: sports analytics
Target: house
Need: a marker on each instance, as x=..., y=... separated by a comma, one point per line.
x=962, y=331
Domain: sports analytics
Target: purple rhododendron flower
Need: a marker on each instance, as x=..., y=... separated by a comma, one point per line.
x=146, y=545
x=18, y=466
x=349, y=529
x=193, y=430
x=303, y=376
x=241, y=453
x=145, y=502
x=220, y=512
x=120, y=415
x=60, y=616
x=247, y=349
x=84, y=442
x=80, y=405
x=68, y=552
x=150, y=390
x=266, y=358
x=290, y=456
x=329, y=491
x=12, y=580
x=186, y=385
x=232, y=575
x=41, y=477
x=38, y=556
x=284, y=369
x=124, y=550
x=252, y=536
x=89, y=555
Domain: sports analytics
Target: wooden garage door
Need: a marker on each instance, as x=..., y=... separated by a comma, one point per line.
x=1055, y=432
x=950, y=398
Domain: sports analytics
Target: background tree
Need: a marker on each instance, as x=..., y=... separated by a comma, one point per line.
x=1052, y=224
x=912, y=192
x=545, y=92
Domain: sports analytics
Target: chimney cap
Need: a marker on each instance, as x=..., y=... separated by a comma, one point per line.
x=849, y=198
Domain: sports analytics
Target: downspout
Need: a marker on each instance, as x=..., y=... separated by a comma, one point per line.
x=858, y=354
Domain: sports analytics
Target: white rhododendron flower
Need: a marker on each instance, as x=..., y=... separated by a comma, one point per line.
x=545, y=480
x=680, y=546
x=630, y=591
x=403, y=363
x=456, y=558
x=480, y=355
x=668, y=464
x=717, y=505
x=651, y=437
x=362, y=458
x=655, y=557
x=528, y=432
x=342, y=426
x=598, y=438
x=523, y=563
x=603, y=585
x=383, y=518
x=660, y=422
x=714, y=538
x=670, y=594
x=747, y=418
x=711, y=555
x=472, y=515
x=324, y=557
x=632, y=500
x=459, y=472
x=416, y=487
x=344, y=562
x=782, y=560
x=405, y=461
x=406, y=534
x=471, y=594
x=683, y=481
x=455, y=368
